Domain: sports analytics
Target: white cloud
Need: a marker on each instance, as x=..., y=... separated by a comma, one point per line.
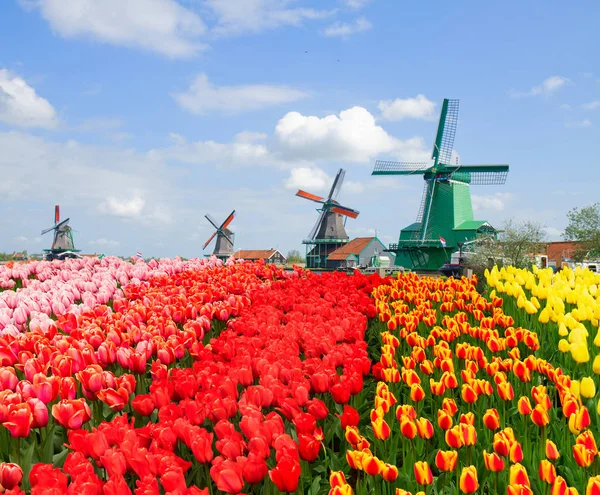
x=83, y=177
x=161, y=26
x=592, y=105
x=241, y=16
x=410, y=108
x=548, y=87
x=214, y=153
x=98, y=124
x=123, y=207
x=579, y=123
x=565, y=106
x=118, y=137
x=21, y=106
x=343, y=30
x=309, y=178
x=493, y=202
x=203, y=97
x=102, y=241
x=351, y=136
x=356, y=4
x=20, y=238
x=553, y=233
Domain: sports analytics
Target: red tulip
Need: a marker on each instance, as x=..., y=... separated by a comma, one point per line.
x=19, y=420
x=423, y=473
x=71, y=413
x=10, y=475
x=350, y=417
x=286, y=474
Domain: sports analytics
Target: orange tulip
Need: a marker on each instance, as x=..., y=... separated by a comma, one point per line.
x=468, y=480
x=582, y=456
x=425, y=428
x=467, y=419
x=408, y=428
x=454, y=437
x=371, y=465
x=469, y=434
x=389, y=472
x=381, y=429
x=547, y=471
x=491, y=419
x=446, y=460
x=423, y=473
x=516, y=452
x=505, y=391
x=587, y=438
x=524, y=406
x=449, y=405
x=593, y=486
x=551, y=450
x=337, y=478
x=417, y=393
x=444, y=420
x=437, y=388
x=519, y=490
x=493, y=462
x=539, y=415
x=579, y=421
x=518, y=475
x=352, y=435
x=559, y=487
x=468, y=394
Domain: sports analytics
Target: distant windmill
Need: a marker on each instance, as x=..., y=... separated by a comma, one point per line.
x=225, y=238
x=329, y=232
x=445, y=215
x=62, y=245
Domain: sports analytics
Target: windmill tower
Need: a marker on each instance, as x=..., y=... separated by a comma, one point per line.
x=329, y=233
x=445, y=216
x=225, y=238
x=63, y=237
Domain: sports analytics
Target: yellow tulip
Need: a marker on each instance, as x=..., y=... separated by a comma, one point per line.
x=597, y=339
x=580, y=353
x=562, y=330
x=544, y=316
x=588, y=387
x=530, y=308
x=596, y=366
x=575, y=387
x=564, y=346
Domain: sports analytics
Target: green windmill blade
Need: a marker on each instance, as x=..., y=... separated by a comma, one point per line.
x=445, y=215
x=444, y=138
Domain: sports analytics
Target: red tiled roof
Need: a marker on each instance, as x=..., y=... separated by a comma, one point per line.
x=558, y=251
x=355, y=247
x=255, y=254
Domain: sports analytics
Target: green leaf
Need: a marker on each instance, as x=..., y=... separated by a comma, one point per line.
x=59, y=459
x=320, y=468
x=315, y=486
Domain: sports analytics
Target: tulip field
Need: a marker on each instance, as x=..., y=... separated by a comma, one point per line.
x=199, y=377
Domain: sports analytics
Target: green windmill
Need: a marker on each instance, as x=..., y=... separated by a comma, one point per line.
x=445, y=216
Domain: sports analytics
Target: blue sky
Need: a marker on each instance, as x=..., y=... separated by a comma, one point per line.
x=139, y=116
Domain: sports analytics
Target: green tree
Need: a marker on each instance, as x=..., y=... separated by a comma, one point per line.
x=517, y=245
x=584, y=229
x=294, y=256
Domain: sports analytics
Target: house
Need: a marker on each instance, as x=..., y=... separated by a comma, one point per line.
x=269, y=255
x=559, y=252
x=357, y=252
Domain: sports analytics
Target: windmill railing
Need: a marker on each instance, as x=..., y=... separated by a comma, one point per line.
x=325, y=241
x=415, y=244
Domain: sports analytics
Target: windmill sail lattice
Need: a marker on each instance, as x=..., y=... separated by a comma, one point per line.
x=225, y=237
x=63, y=237
x=445, y=210
x=329, y=231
